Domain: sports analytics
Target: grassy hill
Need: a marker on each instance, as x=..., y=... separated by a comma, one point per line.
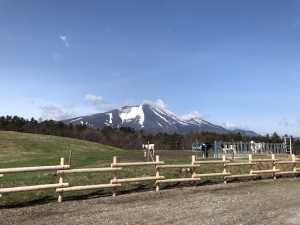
x=27, y=150
x=23, y=149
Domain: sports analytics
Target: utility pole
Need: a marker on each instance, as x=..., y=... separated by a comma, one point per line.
x=232, y=149
x=196, y=147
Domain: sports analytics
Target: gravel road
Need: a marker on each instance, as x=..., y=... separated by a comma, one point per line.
x=253, y=202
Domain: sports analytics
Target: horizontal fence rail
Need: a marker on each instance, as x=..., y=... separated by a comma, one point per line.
x=87, y=187
x=89, y=170
x=33, y=188
x=252, y=166
x=32, y=169
x=61, y=173
x=139, y=179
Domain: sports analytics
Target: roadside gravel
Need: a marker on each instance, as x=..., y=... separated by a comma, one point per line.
x=253, y=202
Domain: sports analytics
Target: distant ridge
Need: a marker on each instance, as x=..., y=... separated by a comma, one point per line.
x=245, y=132
x=151, y=119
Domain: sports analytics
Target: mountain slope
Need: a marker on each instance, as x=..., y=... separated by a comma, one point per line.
x=148, y=118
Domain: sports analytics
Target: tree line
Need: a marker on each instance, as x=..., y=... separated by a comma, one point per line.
x=129, y=138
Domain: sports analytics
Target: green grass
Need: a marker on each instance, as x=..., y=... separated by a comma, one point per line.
x=22, y=149
x=27, y=150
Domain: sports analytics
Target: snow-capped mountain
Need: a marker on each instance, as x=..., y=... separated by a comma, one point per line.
x=148, y=118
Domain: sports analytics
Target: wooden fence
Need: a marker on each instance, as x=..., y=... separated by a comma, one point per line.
x=159, y=166
x=61, y=184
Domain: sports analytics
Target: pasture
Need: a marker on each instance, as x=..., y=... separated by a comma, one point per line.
x=27, y=150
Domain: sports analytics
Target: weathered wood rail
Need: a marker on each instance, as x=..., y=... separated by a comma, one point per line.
x=175, y=180
x=33, y=187
x=61, y=173
x=223, y=162
x=138, y=179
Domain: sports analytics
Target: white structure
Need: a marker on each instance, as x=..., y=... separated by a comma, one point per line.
x=243, y=149
x=288, y=144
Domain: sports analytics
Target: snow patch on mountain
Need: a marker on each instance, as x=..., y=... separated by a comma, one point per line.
x=198, y=121
x=130, y=113
x=76, y=119
x=162, y=117
x=168, y=114
x=110, y=118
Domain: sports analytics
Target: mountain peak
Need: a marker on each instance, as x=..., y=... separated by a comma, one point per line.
x=128, y=114
x=147, y=117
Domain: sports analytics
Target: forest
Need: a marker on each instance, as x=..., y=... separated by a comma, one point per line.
x=127, y=138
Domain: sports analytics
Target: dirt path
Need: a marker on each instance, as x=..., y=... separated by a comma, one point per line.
x=257, y=202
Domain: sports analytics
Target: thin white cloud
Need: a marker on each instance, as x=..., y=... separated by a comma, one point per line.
x=192, y=115
x=159, y=103
x=98, y=102
x=93, y=99
x=65, y=40
x=56, y=57
x=232, y=126
x=69, y=106
x=56, y=113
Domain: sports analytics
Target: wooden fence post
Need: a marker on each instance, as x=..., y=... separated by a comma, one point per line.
x=194, y=169
x=61, y=180
x=1, y=176
x=294, y=164
x=114, y=190
x=70, y=157
x=224, y=167
x=274, y=166
x=157, y=173
x=193, y=161
x=250, y=161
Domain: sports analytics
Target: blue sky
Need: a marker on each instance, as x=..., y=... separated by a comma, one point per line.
x=232, y=63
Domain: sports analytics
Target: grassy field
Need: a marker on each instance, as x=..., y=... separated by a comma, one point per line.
x=22, y=149
x=27, y=150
